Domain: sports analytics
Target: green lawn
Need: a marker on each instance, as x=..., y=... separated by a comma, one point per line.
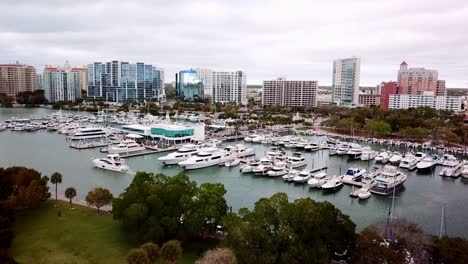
x=80, y=236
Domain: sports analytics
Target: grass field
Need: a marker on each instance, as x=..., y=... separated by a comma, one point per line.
x=78, y=236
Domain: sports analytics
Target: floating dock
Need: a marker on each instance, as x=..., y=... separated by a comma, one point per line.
x=354, y=183
x=88, y=145
x=147, y=152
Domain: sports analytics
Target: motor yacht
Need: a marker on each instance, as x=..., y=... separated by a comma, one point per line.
x=232, y=163
x=183, y=153
x=312, y=147
x=364, y=194
x=395, y=158
x=207, y=157
x=251, y=164
x=332, y=184
x=291, y=175
x=420, y=155
x=126, y=146
x=318, y=179
x=409, y=162
x=390, y=178
x=355, y=151
x=370, y=176
x=383, y=157
x=279, y=169
x=303, y=176
x=426, y=163
x=342, y=149
x=88, y=133
x=296, y=161
x=354, y=174
x=240, y=151
x=113, y=162
x=452, y=168
x=266, y=165
x=465, y=171
x=368, y=154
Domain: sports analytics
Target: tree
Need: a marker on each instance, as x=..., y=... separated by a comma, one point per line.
x=449, y=250
x=171, y=251
x=451, y=137
x=99, y=197
x=347, y=124
x=70, y=193
x=138, y=256
x=218, y=256
x=378, y=127
x=152, y=250
x=278, y=231
x=56, y=178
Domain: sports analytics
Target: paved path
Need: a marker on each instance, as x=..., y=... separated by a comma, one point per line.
x=107, y=208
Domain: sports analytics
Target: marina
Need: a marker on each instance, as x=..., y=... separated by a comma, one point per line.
x=419, y=199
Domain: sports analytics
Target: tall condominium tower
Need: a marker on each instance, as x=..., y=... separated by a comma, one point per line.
x=206, y=75
x=229, y=87
x=119, y=81
x=15, y=78
x=345, y=83
x=61, y=83
x=416, y=81
x=190, y=86
x=289, y=93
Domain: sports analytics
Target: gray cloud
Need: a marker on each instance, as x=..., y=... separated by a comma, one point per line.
x=295, y=39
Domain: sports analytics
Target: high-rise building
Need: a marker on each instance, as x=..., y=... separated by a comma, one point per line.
x=345, y=83
x=405, y=101
x=289, y=93
x=369, y=99
x=387, y=88
x=440, y=88
x=229, y=87
x=119, y=81
x=190, y=86
x=61, y=84
x=40, y=82
x=416, y=80
x=206, y=75
x=15, y=78
x=83, y=72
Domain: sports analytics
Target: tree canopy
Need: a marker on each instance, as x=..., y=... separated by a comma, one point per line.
x=156, y=207
x=279, y=231
x=99, y=197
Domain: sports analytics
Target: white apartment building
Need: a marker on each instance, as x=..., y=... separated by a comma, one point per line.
x=229, y=87
x=289, y=93
x=206, y=75
x=61, y=84
x=405, y=101
x=345, y=83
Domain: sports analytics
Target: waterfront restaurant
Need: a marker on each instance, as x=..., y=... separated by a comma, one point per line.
x=169, y=133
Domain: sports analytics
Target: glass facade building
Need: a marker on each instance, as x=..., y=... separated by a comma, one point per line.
x=119, y=81
x=345, y=84
x=190, y=85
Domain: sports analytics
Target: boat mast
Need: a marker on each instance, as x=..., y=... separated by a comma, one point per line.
x=443, y=225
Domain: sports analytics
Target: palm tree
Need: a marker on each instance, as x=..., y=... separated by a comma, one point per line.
x=70, y=193
x=56, y=178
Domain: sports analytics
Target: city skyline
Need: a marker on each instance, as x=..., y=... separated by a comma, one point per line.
x=180, y=35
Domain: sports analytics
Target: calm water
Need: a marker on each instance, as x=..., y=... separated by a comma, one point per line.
x=420, y=201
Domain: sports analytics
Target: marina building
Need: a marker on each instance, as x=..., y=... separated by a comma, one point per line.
x=289, y=93
x=119, y=81
x=345, y=83
x=61, y=84
x=169, y=132
x=405, y=101
x=15, y=78
x=190, y=86
x=229, y=87
x=416, y=81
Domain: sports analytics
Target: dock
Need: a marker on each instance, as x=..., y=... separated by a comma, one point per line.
x=150, y=151
x=353, y=183
x=318, y=169
x=88, y=145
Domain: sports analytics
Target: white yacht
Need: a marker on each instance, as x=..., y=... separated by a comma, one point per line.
x=368, y=154
x=88, y=133
x=427, y=163
x=465, y=171
x=279, y=169
x=126, y=146
x=342, y=149
x=364, y=194
x=409, y=162
x=206, y=158
x=183, y=153
x=354, y=174
x=452, y=168
x=266, y=165
x=318, y=179
x=240, y=151
x=355, y=151
x=291, y=175
x=113, y=162
x=419, y=156
x=247, y=168
x=389, y=179
x=232, y=163
x=383, y=157
x=296, y=161
x=332, y=184
x=312, y=147
x=303, y=176
x=395, y=158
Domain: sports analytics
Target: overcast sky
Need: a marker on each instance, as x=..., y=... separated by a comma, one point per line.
x=266, y=39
